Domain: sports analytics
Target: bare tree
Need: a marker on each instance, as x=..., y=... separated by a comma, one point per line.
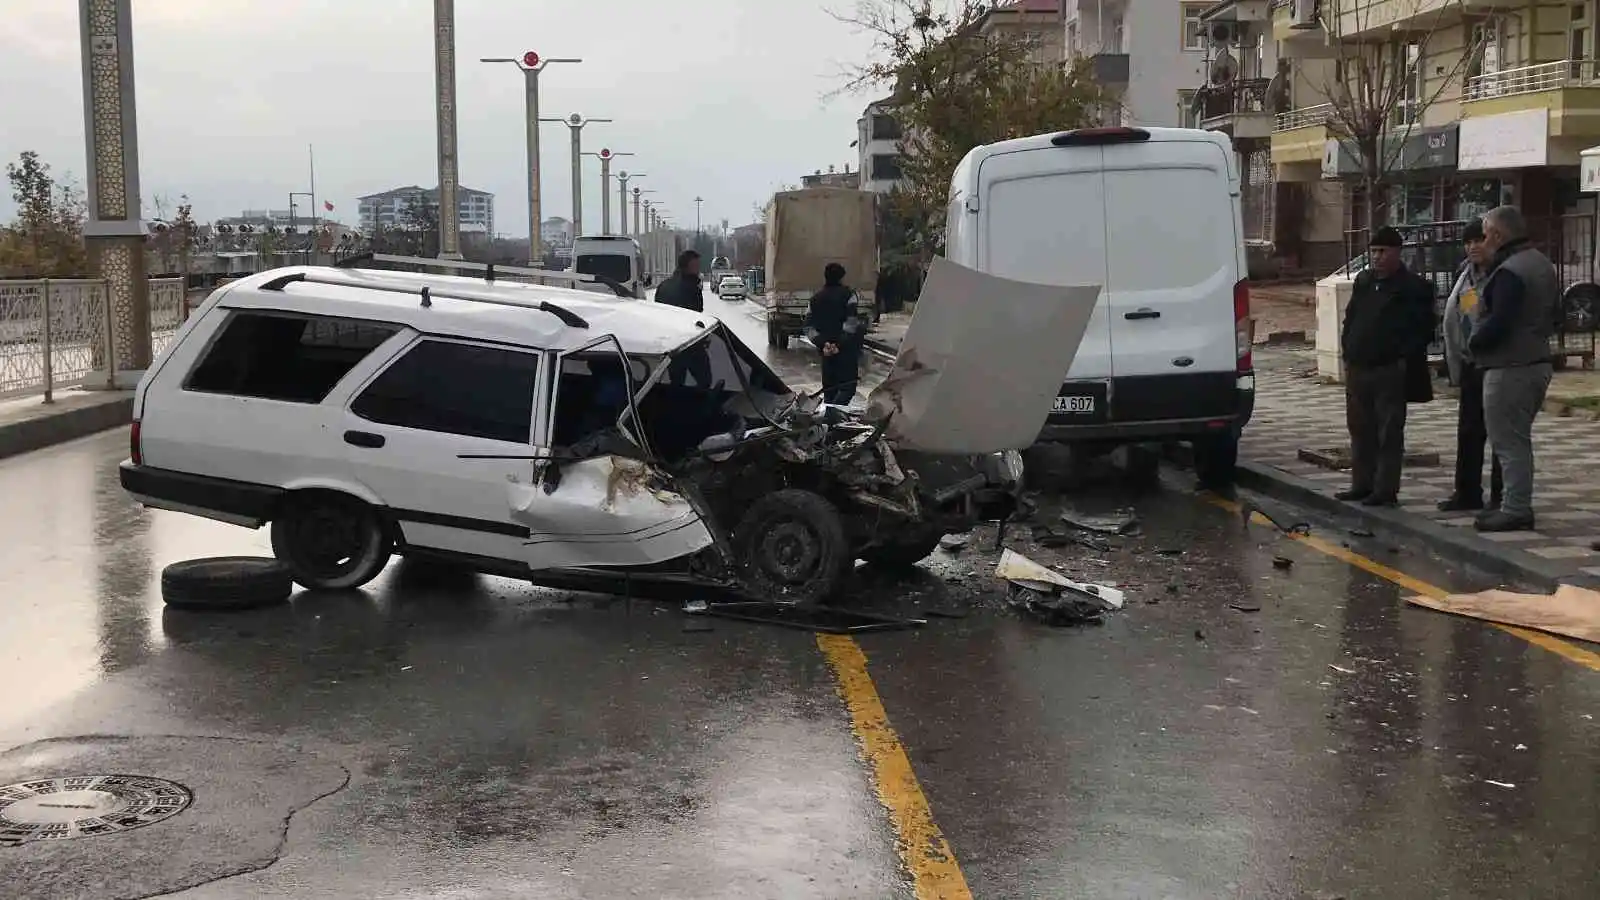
x=1380, y=88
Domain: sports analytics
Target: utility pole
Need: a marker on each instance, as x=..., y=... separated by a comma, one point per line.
x=575, y=123
x=531, y=65
x=606, y=155
x=444, y=76
x=622, y=200
x=697, y=202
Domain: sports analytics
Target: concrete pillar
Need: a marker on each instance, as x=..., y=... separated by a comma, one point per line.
x=113, y=231
x=1332, y=298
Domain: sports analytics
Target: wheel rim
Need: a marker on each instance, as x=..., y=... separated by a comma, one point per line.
x=329, y=542
x=789, y=552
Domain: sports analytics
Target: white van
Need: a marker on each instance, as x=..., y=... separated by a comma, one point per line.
x=1152, y=215
x=613, y=257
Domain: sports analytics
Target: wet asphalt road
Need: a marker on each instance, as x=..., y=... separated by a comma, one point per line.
x=478, y=738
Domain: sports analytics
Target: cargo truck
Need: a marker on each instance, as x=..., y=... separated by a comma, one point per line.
x=806, y=230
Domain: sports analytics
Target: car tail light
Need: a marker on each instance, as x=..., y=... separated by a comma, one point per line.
x=1241, y=326
x=1086, y=136
x=133, y=444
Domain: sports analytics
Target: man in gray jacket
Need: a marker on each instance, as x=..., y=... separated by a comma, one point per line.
x=1460, y=315
x=1510, y=342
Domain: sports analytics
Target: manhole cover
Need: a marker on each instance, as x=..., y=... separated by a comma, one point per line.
x=84, y=805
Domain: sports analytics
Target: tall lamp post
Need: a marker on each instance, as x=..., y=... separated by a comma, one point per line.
x=444, y=77
x=606, y=155
x=622, y=200
x=697, y=202
x=575, y=124
x=531, y=65
x=638, y=221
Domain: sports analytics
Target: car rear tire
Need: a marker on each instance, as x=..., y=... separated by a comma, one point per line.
x=792, y=548
x=776, y=338
x=226, y=583
x=331, y=541
x=904, y=553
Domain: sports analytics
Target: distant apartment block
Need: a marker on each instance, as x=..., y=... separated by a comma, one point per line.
x=387, y=210
x=1149, y=56
x=878, y=147
x=555, y=232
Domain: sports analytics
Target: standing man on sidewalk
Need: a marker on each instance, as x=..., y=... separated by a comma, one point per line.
x=834, y=325
x=1389, y=319
x=1511, y=344
x=1460, y=317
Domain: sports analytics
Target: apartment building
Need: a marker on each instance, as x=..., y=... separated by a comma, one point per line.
x=387, y=209
x=878, y=148
x=1150, y=56
x=1499, y=101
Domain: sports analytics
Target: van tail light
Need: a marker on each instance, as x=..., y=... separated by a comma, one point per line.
x=1241, y=326
x=134, y=452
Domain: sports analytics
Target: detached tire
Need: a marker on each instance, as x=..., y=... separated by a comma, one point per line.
x=792, y=547
x=903, y=554
x=331, y=541
x=226, y=583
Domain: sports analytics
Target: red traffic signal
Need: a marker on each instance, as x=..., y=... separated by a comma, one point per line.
x=530, y=59
x=605, y=153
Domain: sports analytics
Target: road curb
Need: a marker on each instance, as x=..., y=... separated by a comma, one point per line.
x=57, y=426
x=1450, y=544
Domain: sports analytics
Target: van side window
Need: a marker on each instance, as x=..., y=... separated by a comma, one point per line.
x=473, y=391
x=297, y=359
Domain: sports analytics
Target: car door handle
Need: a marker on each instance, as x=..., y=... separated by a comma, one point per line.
x=363, y=439
x=1142, y=314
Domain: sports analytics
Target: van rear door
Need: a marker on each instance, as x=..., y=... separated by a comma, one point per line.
x=1043, y=213
x=1173, y=249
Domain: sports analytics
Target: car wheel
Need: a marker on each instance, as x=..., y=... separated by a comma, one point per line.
x=792, y=547
x=331, y=541
x=904, y=553
x=225, y=583
x=776, y=338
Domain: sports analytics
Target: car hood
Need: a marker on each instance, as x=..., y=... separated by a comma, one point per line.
x=981, y=362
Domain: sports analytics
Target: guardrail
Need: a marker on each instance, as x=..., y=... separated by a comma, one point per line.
x=55, y=332
x=1303, y=117
x=1532, y=79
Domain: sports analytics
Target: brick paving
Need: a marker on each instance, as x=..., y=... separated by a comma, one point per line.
x=1295, y=410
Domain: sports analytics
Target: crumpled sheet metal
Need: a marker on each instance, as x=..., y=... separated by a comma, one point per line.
x=974, y=338
x=1052, y=598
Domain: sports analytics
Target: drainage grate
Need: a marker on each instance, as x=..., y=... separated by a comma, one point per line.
x=86, y=805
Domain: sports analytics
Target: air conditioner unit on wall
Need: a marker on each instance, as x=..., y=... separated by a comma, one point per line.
x=1305, y=14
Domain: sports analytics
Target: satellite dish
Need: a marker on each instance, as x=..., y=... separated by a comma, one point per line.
x=1221, y=33
x=1224, y=68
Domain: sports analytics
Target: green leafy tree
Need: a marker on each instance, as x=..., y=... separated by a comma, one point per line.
x=46, y=240
x=954, y=87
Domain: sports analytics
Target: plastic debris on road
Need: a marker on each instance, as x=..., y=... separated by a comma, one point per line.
x=1049, y=597
x=1127, y=524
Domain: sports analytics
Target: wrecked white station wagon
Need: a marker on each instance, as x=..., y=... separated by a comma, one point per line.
x=537, y=432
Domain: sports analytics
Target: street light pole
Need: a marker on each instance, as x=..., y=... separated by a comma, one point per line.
x=444, y=76
x=531, y=65
x=622, y=201
x=638, y=222
x=697, y=202
x=575, y=123
x=606, y=155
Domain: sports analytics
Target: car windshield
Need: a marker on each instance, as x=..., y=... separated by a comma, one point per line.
x=714, y=385
x=610, y=265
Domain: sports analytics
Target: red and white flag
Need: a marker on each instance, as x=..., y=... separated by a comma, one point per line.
x=327, y=206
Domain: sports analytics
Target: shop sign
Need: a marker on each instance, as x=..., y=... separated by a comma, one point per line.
x=1424, y=148
x=1513, y=140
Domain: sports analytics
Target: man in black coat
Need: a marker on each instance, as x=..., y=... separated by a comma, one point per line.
x=682, y=287
x=834, y=325
x=1388, y=322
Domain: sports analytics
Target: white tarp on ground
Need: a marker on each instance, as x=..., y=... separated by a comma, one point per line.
x=982, y=361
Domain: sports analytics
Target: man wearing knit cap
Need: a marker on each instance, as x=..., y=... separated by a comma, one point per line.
x=1390, y=319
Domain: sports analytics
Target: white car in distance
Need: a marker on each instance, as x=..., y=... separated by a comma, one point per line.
x=731, y=288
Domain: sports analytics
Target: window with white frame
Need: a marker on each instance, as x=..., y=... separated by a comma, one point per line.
x=1116, y=37
x=1408, y=69
x=1194, y=32
x=1187, y=117
x=1580, y=37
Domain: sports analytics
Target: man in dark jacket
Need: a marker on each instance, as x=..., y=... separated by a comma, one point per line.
x=833, y=324
x=682, y=287
x=1389, y=319
x=1511, y=344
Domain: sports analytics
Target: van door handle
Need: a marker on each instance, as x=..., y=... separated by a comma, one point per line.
x=363, y=439
x=1145, y=313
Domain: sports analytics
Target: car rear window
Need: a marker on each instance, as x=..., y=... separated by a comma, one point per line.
x=465, y=389
x=616, y=268
x=297, y=359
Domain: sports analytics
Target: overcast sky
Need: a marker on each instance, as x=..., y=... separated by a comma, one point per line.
x=718, y=98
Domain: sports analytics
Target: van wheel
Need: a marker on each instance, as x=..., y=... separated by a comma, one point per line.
x=331, y=541
x=792, y=547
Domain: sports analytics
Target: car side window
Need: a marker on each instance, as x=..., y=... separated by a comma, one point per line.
x=273, y=356
x=450, y=388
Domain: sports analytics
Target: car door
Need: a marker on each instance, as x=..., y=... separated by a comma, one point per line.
x=442, y=435
x=595, y=508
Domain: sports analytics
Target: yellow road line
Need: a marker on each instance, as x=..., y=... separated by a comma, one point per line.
x=1417, y=586
x=935, y=874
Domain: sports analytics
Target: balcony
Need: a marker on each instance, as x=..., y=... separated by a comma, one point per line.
x=1237, y=109
x=1110, y=69
x=1301, y=135
x=1569, y=88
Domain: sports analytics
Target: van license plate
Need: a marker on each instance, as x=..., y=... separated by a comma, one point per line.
x=1073, y=405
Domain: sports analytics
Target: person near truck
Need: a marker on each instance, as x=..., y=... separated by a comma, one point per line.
x=682, y=287
x=1388, y=323
x=1511, y=344
x=1461, y=312
x=833, y=325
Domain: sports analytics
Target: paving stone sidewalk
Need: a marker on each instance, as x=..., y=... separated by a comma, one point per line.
x=1295, y=410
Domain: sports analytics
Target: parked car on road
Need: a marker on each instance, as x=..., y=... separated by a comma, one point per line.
x=732, y=287
x=530, y=431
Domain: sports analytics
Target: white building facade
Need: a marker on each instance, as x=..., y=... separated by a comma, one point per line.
x=878, y=148
x=387, y=210
x=1151, y=55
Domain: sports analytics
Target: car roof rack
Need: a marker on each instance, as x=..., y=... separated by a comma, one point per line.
x=426, y=293
x=490, y=270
